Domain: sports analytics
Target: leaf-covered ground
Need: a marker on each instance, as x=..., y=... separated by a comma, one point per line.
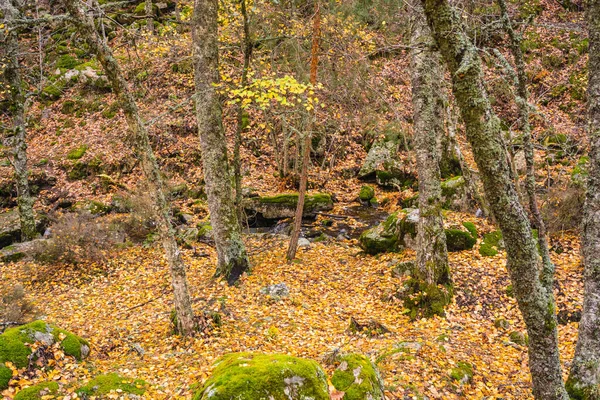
x=125, y=304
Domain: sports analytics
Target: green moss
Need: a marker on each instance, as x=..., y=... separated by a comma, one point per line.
x=457, y=240
x=98, y=208
x=37, y=391
x=13, y=342
x=463, y=372
x=249, y=376
x=519, y=338
x=471, y=228
x=311, y=202
x=111, y=111
x=5, y=376
x=78, y=171
x=66, y=61
x=580, y=171
x=358, y=378
x=68, y=107
x=77, y=153
x=382, y=238
x=491, y=243
x=366, y=193
x=105, y=384
x=53, y=91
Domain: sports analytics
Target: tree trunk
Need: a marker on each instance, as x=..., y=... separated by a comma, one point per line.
x=232, y=258
x=183, y=305
x=241, y=116
x=483, y=130
x=15, y=138
x=314, y=61
x=149, y=19
x=430, y=286
x=523, y=106
x=584, y=378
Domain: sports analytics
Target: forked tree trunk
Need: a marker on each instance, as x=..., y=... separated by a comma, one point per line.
x=483, y=131
x=232, y=257
x=584, y=378
x=430, y=286
x=15, y=138
x=314, y=61
x=183, y=305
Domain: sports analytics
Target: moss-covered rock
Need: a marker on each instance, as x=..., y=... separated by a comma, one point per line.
x=44, y=390
x=458, y=240
x=463, y=372
x=284, y=205
x=519, y=338
x=13, y=342
x=67, y=61
x=454, y=194
x=115, y=384
x=358, y=378
x=77, y=153
x=5, y=376
x=492, y=242
x=471, y=228
x=366, y=193
x=580, y=172
x=396, y=233
x=383, y=165
x=250, y=376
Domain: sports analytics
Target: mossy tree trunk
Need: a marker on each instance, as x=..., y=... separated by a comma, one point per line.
x=430, y=284
x=584, y=378
x=183, y=305
x=522, y=100
x=149, y=20
x=535, y=299
x=15, y=139
x=231, y=251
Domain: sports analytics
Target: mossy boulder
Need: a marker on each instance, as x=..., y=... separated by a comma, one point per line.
x=454, y=194
x=13, y=342
x=518, y=337
x=459, y=240
x=284, y=205
x=5, y=376
x=366, y=193
x=10, y=227
x=471, y=228
x=252, y=376
x=105, y=385
x=383, y=165
x=492, y=242
x=580, y=172
x=463, y=372
x=44, y=390
x=396, y=233
x=358, y=378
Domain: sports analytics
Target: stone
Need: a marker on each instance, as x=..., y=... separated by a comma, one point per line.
x=454, y=195
x=396, y=233
x=303, y=242
x=103, y=385
x=284, y=205
x=366, y=193
x=358, y=377
x=277, y=290
x=10, y=227
x=255, y=376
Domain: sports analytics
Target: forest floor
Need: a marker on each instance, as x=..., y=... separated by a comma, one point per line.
x=125, y=304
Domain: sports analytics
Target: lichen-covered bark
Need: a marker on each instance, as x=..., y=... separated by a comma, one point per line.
x=523, y=106
x=584, y=378
x=483, y=132
x=148, y=163
x=428, y=110
x=232, y=257
x=15, y=139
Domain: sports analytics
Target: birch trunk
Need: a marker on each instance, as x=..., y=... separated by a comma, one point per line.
x=584, y=378
x=232, y=258
x=183, y=305
x=535, y=300
x=430, y=284
x=15, y=138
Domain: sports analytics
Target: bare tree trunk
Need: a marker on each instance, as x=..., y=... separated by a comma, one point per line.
x=430, y=286
x=232, y=257
x=15, y=138
x=149, y=19
x=523, y=105
x=483, y=130
x=293, y=246
x=584, y=378
x=183, y=305
x=237, y=163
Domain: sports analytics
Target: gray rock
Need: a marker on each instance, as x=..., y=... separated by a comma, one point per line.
x=277, y=290
x=303, y=242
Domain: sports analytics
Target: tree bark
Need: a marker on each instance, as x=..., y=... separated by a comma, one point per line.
x=430, y=281
x=523, y=106
x=15, y=138
x=232, y=257
x=183, y=306
x=149, y=19
x=314, y=61
x=584, y=378
x=536, y=302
